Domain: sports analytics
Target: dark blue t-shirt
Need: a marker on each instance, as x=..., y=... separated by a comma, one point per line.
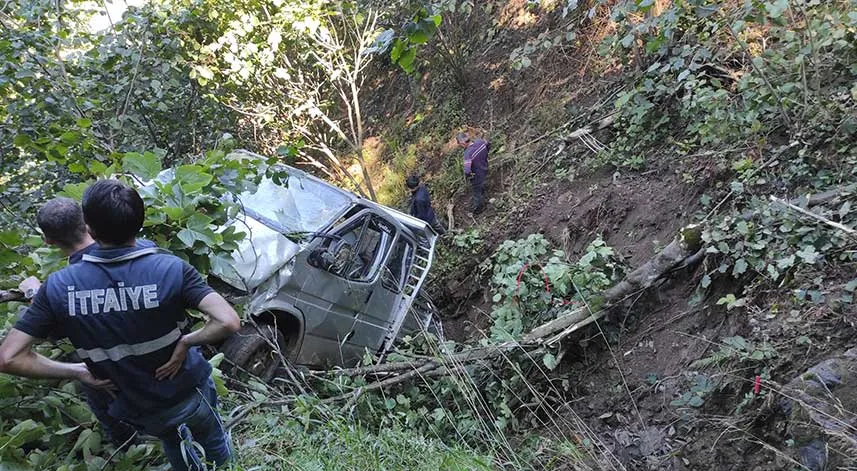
x=124, y=319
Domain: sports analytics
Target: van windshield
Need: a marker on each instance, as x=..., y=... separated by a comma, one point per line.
x=305, y=205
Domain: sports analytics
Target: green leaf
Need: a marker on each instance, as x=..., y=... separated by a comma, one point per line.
x=397, y=50
x=695, y=401
x=808, y=254
x=22, y=140
x=851, y=285
x=74, y=190
x=83, y=123
x=706, y=281
x=845, y=209
x=550, y=361
x=11, y=238
x=406, y=61
x=419, y=36
x=772, y=272
x=623, y=99
x=145, y=166
x=776, y=8
x=199, y=222
x=740, y=267
x=786, y=262
x=70, y=137
x=188, y=237
x=192, y=178
x=737, y=342
x=216, y=360
x=172, y=212
x=66, y=430
x=737, y=187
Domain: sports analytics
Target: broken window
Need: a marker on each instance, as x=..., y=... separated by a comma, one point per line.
x=396, y=269
x=357, y=249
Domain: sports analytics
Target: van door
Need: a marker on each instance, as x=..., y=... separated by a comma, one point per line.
x=385, y=303
x=336, y=275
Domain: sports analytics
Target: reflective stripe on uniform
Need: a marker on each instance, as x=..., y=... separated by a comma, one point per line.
x=121, y=351
x=126, y=257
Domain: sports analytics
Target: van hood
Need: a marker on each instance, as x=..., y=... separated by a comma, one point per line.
x=260, y=254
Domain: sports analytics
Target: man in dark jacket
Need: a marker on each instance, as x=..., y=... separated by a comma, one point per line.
x=61, y=222
x=421, y=204
x=475, y=168
x=124, y=310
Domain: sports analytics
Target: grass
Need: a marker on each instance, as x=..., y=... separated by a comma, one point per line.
x=272, y=441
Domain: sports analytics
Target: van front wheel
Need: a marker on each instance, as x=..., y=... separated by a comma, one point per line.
x=255, y=349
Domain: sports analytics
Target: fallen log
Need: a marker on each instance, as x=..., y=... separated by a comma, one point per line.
x=686, y=245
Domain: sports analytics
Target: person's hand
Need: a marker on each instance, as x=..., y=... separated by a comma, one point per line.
x=31, y=283
x=172, y=367
x=86, y=377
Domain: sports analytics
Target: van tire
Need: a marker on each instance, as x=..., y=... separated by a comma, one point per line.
x=250, y=349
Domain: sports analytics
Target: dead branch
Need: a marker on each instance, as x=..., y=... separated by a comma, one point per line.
x=11, y=295
x=817, y=217
x=588, y=130
x=380, y=368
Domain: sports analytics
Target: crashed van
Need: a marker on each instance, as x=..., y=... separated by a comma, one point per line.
x=323, y=275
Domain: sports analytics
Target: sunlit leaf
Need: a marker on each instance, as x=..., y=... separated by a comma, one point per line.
x=145, y=166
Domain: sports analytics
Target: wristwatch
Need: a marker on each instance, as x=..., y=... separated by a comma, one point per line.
x=29, y=294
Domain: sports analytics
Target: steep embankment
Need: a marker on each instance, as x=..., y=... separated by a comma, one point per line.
x=685, y=375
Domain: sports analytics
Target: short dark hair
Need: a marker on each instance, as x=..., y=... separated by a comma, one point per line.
x=462, y=138
x=412, y=182
x=113, y=211
x=61, y=221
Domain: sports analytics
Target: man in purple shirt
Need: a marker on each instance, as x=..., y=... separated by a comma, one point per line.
x=475, y=168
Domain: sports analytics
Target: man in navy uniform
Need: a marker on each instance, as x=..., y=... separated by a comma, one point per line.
x=61, y=222
x=420, y=206
x=123, y=309
x=475, y=168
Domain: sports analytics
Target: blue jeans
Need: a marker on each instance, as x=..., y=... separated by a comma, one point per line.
x=116, y=431
x=193, y=420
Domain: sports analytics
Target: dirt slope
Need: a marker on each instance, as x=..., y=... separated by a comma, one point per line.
x=621, y=390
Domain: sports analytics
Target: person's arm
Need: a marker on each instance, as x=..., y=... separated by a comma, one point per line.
x=18, y=358
x=222, y=322
x=468, y=162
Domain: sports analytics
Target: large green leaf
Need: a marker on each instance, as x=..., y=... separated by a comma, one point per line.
x=145, y=166
x=192, y=178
